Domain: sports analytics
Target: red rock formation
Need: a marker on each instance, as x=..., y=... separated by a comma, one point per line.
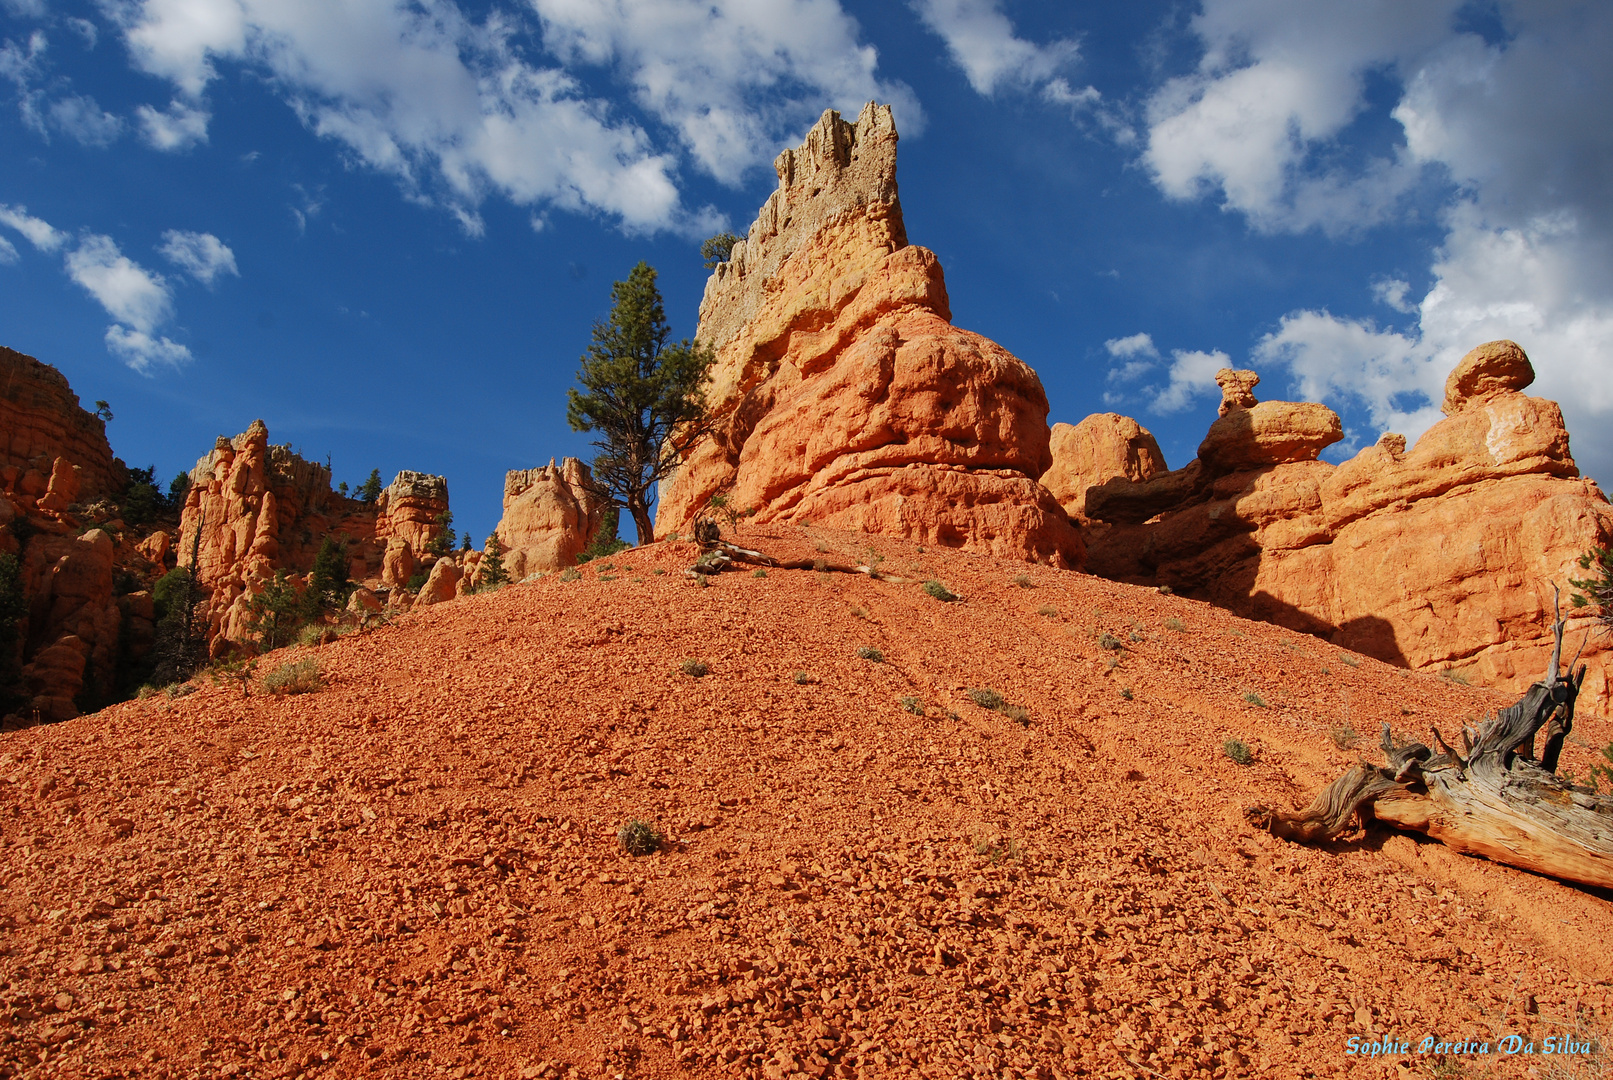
x=1099, y=448
x=1442, y=557
x=847, y=398
x=42, y=422
x=550, y=515
x=261, y=508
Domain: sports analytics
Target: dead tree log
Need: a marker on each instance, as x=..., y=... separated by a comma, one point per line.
x=718, y=555
x=1494, y=798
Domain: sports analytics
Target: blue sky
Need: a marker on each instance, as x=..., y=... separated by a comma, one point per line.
x=386, y=228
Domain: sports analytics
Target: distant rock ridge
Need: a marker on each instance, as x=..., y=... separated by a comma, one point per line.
x=844, y=395
x=256, y=508
x=1437, y=557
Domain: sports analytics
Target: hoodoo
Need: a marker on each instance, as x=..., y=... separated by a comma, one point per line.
x=550, y=514
x=846, y=397
x=1440, y=557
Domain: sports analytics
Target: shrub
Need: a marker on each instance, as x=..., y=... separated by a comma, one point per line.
x=1018, y=714
x=758, y=573
x=1255, y=699
x=658, y=571
x=13, y=609
x=328, y=586
x=1048, y=612
x=802, y=678
x=694, y=668
x=443, y=544
x=297, y=677
x=913, y=705
x=939, y=591
x=1458, y=677
x=1343, y=735
x=1125, y=692
x=1238, y=751
x=1596, y=589
x=1108, y=641
x=1352, y=661
x=274, y=615
x=1024, y=581
x=986, y=698
x=570, y=574
x=868, y=652
x=718, y=249
x=1174, y=624
x=639, y=838
x=311, y=635
x=859, y=612
x=418, y=580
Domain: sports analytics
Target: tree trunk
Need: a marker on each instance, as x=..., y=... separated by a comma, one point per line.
x=1498, y=800
x=641, y=519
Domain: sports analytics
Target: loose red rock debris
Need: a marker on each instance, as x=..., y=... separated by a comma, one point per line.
x=415, y=871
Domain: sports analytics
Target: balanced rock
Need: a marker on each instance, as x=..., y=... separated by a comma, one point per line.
x=1102, y=447
x=550, y=514
x=845, y=395
x=1438, y=557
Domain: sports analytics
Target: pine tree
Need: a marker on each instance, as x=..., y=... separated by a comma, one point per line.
x=605, y=542
x=328, y=585
x=274, y=615
x=181, y=643
x=493, y=573
x=443, y=543
x=1597, y=589
x=371, y=491
x=643, y=394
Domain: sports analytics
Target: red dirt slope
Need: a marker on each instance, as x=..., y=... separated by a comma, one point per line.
x=414, y=871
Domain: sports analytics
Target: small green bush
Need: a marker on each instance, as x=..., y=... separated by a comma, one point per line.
x=694, y=668
x=639, y=838
x=1125, y=692
x=310, y=635
x=986, y=698
x=802, y=678
x=859, y=612
x=1174, y=624
x=913, y=705
x=1108, y=641
x=297, y=677
x=570, y=574
x=939, y=591
x=756, y=573
x=1048, y=612
x=868, y=652
x=1024, y=581
x=1343, y=735
x=658, y=571
x=1238, y=751
x=1352, y=661
x=1255, y=699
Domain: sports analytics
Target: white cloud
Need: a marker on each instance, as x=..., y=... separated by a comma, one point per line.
x=1392, y=292
x=1279, y=81
x=141, y=351
x=180, y=127
x=981, y=40
x=24, y=9
x=38, y=232
x=1192, y=375
x=130, y=293
x=201, y=255
x=8, y=252
x=84, y=29
x=20, y=66
x=1135, y=345
x=80, y=118
x=736, y=79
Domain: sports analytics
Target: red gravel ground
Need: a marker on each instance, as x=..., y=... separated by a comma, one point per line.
x=414, y=871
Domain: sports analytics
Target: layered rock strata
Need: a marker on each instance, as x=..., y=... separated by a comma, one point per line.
x=550, y=515
x=41, y=423
x=255, y=508
x=1439, y=557
x=845, y=396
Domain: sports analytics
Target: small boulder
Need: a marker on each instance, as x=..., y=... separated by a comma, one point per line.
x=1496, y=367
x=443, y=584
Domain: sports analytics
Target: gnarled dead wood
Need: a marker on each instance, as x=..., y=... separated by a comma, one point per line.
x=1495, y=799
x=718, y=555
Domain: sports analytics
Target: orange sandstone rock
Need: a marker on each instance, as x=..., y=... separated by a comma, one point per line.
x=846, y=396
x=1098, y=449
x=1439, y=557
x=42, y=422
x=550, y=515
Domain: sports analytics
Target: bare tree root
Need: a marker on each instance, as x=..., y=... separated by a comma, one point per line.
x=1494, y=798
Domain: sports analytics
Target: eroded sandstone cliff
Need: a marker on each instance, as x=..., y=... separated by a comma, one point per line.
x=550, y=515
x=845, y=395
x=1438, y=557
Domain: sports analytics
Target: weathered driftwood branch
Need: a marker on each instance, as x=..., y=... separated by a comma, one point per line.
x=718, y=555
x=1495, y=798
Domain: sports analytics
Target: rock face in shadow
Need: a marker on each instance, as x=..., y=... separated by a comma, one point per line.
x=1099, y=448
x=550, y=515
x=846, y=397
x=41, y=422
x=258, y=508
x=1438, y=557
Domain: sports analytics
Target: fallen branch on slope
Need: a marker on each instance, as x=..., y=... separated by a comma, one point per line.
x=718, y=555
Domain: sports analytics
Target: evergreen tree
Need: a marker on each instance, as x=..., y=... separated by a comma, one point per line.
x=605, y=542
x=274, y=615
x=443, y=544
x=493, y=573
x=13, y=610
x=180, y=648
x=178, y=488
x=718, y=249
x=371, y=491
x=328, y=585
x=643, y=394
x=1597, y=589
x=141, y=499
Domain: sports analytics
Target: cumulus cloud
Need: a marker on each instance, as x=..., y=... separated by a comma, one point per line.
x=734, y=78
x=1515, y=127
x=201, y=255
x=179, y=127
x=1139, y=353
x=38, y=232
x=142, y=351
x=459, y=109
x=80, y=118
x=1192, y=375
x=130, y=293
x=981, y=40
